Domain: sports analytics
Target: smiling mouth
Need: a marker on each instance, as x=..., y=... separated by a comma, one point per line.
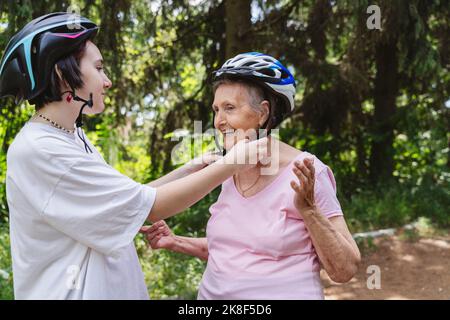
x=228, y=132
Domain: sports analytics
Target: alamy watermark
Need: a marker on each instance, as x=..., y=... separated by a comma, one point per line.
x=73, y=277
x=374, y=20
x=74, y=21
x=374, y=279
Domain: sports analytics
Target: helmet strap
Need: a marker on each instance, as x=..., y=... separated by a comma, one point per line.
x=79, y=121
x=88, y=103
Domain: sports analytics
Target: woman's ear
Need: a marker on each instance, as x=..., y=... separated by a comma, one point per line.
x=265, y=107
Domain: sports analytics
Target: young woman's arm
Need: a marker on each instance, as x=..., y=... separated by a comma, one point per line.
x=160, y=236
x=176, y=196
x=185, y=170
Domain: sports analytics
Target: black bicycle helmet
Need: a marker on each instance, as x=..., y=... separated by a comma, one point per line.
x=32, y=53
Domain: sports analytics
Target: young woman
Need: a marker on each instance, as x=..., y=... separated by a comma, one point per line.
x=72, y=216
x=267, y=232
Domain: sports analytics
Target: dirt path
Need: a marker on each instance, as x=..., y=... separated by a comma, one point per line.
x=410, y=269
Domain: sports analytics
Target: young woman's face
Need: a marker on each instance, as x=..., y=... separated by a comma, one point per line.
x=233, y=111
x=94, y=78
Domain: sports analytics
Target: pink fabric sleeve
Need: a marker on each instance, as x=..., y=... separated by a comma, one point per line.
x=325, y=194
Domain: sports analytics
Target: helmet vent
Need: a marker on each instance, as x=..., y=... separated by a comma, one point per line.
x=268, y=72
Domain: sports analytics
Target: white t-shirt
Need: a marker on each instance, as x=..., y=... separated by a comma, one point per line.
x=72, y=220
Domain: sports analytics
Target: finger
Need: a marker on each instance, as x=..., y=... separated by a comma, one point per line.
x=166, y=229
x=155, y=233
x=305, y=171
x=159, y=223
x=263, y=155
x=301, y=177
x=295, y=186
x=263, y=141
x=310, y=165
x=154, y=227
x=313, y=169
x=305, y=180
x=155, y=241
x=264, y=160
x=144, y=229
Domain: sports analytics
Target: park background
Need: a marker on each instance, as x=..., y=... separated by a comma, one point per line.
x=373, y=104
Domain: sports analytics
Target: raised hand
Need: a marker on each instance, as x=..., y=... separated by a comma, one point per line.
x=304, y=191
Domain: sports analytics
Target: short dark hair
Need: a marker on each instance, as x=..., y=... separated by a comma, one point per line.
x=71, y=75
x=277, y=112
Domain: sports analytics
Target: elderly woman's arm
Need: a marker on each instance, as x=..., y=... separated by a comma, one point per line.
x=159, y=236
x=331, y=238
x=334, y=245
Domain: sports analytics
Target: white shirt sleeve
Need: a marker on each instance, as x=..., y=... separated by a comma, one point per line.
x=98, y=206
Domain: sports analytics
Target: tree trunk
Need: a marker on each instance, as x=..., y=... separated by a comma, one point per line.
x=385, y=94
x=238, y=24
x=448, y=140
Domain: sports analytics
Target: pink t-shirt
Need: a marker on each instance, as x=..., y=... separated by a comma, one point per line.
x=259, y=247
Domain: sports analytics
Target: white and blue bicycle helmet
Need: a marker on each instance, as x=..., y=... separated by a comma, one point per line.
x=266, y=71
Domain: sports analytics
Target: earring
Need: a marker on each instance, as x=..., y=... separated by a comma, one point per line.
x=69, y=97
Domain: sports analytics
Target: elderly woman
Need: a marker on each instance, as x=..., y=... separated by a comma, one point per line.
x=267, y=234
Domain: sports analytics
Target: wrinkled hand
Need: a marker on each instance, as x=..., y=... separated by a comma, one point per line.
x=159, y=235
x=304, y=192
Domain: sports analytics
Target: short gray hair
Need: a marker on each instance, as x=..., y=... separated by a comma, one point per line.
x=257, y=94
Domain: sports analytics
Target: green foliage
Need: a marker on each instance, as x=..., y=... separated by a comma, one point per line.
x=169, y=275
x=172, y=275
x=6, y=281
x=394, y=205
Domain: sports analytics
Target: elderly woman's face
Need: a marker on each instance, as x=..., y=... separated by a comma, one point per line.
x=233, y=111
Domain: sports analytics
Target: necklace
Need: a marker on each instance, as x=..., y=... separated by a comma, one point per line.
x=248, y=188
x=53, y=123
